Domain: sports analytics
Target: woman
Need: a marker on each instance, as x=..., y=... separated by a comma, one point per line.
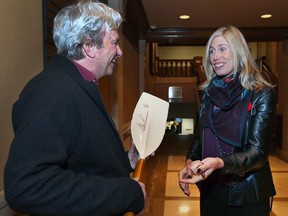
x=229, y=157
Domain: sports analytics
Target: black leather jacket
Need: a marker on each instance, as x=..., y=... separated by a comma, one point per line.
x=248, y=170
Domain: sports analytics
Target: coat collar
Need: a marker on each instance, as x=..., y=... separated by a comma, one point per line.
x=64, y=65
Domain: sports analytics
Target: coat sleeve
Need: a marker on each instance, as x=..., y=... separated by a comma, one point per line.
x=36, y=177
x=255, y=153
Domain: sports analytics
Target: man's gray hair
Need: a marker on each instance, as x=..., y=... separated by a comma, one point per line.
x=83, y=23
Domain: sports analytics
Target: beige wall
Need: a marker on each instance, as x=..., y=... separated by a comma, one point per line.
x=180, y=52
x=21, y=56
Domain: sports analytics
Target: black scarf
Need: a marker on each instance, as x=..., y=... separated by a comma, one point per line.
x=224, y=109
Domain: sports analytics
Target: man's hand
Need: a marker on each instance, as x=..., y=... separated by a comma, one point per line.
x=144, y=194
x=133, y=155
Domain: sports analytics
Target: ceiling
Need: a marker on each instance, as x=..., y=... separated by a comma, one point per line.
x=159, y=19
x=215, y=13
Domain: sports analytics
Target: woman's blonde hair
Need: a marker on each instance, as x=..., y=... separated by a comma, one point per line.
x=250, y=75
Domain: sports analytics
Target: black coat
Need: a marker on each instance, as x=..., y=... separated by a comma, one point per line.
x=67, y=157
x=248, y=169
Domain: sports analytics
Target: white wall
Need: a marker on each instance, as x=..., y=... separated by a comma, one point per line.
x=21, y=57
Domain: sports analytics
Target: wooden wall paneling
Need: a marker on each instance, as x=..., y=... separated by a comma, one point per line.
x=129, y=88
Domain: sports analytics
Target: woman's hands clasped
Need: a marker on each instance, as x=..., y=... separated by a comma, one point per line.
x=196, y=171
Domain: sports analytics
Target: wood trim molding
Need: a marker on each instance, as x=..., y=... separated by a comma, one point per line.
x=200, y=36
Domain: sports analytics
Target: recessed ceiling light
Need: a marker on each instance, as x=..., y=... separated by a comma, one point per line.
x=184, y=17
x=266, y=16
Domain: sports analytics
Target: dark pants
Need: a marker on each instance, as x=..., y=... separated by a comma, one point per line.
x=214, y=202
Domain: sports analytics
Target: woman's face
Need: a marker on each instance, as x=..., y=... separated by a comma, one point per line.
x=220, y=57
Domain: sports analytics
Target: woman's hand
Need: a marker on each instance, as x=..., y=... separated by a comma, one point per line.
x=185, y=173
x=202, y=169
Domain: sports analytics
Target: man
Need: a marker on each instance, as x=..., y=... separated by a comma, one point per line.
x=67, y=157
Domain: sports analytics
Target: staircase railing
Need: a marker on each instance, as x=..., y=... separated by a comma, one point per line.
x=177, y=67
x=266, y=70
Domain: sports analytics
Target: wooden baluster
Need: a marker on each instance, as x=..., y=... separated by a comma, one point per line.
x=173, y=67
x=184, y=68
x=160, y=68
x=187, y=69
x=180, y=68
x=165, y=68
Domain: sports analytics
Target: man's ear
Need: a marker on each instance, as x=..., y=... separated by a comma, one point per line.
x=89, y=50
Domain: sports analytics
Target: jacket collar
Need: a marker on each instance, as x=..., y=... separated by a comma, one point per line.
x=64, y=65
